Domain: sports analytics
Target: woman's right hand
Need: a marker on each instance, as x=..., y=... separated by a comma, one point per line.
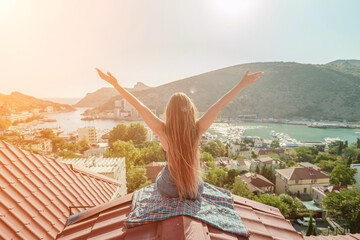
x=249, y=79
x=109, y=78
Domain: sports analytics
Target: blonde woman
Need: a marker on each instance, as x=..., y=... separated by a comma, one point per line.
x=180, y=136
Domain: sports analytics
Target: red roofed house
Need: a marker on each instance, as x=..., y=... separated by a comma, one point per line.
x=297, y=180
x=37, y=194
x=153, y=169
x=257, y=184
x=107, y=222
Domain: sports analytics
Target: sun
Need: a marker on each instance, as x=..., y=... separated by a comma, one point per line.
x=235, y=8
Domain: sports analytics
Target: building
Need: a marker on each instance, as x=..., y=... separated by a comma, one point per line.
x=235, y=148
x=357, y=175
x=38, y=194
x=240, y=164
x=319, y=193
x=91, y=134
x=95, y=152
x=153, y=169
x=268, y=162
x=261, y=152
x=299, y=180
x=123, y=109
x=307, y=164
x=107, y=222
x=42, y=145
x=257, y=184
x=110, y=167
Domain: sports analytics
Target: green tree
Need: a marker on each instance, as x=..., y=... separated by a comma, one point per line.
x=355, y=223
x=47, y=133
x=305, y=154
x=342, y=175
x=275, y=201
x=311, y=230
x=344, y=205
x=208, y=159
x=136, y=179
x=358, y=142
x=257, y=169
x=231, y=174
x=151, y=152
x=216, y=176
x=137, y=133
x=240, y=188
x=84, y=145
x=118, y=133
x=215, y=148
x=123, y=149
x=350, y=152
x=4, y=123
x=58, y=144
x=67, y=154
x=275, y=144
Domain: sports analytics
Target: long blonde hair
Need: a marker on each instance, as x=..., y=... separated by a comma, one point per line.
x=182, y=137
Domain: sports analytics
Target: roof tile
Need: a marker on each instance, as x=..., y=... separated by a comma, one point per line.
x=107, y=221
x=36, y=192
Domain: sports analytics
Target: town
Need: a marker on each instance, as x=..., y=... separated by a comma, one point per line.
x=305, y=181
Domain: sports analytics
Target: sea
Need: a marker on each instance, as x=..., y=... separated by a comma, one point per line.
x=71, y=121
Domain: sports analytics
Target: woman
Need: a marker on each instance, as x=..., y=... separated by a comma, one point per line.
x=180, y=136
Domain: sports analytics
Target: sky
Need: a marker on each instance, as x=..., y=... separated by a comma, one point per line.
x=49, y=49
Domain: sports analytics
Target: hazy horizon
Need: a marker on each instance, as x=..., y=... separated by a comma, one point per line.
x=51, y=49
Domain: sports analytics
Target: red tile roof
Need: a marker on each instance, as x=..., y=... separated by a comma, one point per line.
x=107, y=222
x=299, y=173
x=255, y=181
x=36, y=193
x=348, y=236
x=152, y=170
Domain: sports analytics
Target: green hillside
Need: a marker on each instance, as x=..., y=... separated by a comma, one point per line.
x=286, y=90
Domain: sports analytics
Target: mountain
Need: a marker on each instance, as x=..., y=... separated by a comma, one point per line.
x=285, y=90
x=18, y=102
x=346, y=66
x=102, y=95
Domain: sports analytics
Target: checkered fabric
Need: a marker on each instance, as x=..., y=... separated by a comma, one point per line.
x=215, y=207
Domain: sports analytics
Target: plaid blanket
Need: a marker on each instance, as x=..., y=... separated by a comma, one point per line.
x=215, y=207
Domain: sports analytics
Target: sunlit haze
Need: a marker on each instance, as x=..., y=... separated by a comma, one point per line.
x=51, y=48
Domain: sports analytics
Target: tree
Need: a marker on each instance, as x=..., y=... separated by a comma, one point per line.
x=231, y=174
x=208, y=159
x=311, y=229
x=123, y=149
x=350, y=152
x=304, y=154
x=67, y=154
x=355, y=223
x=118, y=133
x=84, y=145
x=151, y=152
x=342, y=175
x=136, y=179
x=47, y=133
x=240, y=188
x=275, y=201
x=257, y=169
x=215, y=148
x=349, y=161
x=358, y=142
x=275, y=144
x=344, y=205
x=5, y=123
x=58, y=143
x=137, y=133
x=216, y=176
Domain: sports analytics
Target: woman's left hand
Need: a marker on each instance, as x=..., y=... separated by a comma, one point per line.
x=109, y=78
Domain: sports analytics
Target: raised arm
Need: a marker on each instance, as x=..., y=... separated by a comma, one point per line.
x=147, y=115
x=208, y=118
